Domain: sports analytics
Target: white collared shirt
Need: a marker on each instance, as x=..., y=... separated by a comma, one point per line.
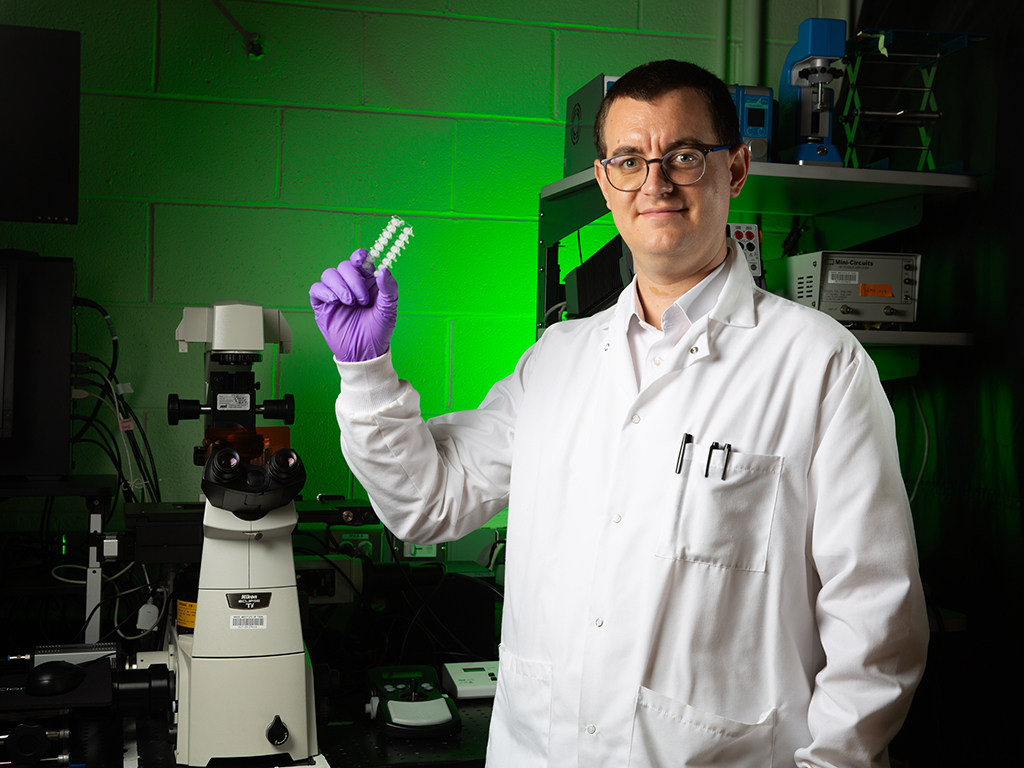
x=649, y=346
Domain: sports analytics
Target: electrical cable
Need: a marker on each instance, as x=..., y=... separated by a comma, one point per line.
x=154, y=476
x=390, y=538
x=481, y=583
x=118, y=400
x=796, y=231
x=250, y=40
x=96, y=607
x=159, y=618
x=305, y=551
x=124, y=408
x=112, y=366
x=81, y=393
x=555, y=308
x=924, y=461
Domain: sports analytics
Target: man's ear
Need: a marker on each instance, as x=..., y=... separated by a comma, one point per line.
x=739, y=167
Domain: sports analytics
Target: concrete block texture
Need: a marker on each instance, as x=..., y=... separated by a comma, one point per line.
x=311, y=55
x=117, y=37
x=270, y=256
x=684, y=17
x=109, y=245
x=419, y=350
x=622, y=15
x=484, y=351
x=163, y=149
x=582, y=56
x=443, y=65
x=366, y=160
x=500, y=166
x=468, y=267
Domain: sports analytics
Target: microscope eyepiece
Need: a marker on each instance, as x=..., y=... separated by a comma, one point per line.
x=250, y=491
x=285, y=465
x=226, y=465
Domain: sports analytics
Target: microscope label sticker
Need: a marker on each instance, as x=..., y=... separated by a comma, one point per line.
x=232, y=401
x=248, y=601
x=250, y=621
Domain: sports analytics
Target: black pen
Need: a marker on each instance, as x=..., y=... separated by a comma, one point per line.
x=707, y=467
x=716, y=447
x=687, y=438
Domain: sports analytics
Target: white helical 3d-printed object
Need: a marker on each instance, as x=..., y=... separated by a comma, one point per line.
x=396, y=247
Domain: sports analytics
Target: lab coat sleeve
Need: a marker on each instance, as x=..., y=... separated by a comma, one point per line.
x=428, y=481
x=870, y=608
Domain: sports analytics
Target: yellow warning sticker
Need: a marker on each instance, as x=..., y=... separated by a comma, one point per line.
x=186, y=614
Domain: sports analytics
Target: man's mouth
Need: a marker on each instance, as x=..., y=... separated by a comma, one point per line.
x=660, y=213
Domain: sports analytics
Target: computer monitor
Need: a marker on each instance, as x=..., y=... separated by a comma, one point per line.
x=40, y=74
x=36, y=298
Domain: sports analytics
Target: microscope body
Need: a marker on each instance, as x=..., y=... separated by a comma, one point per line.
x=806, y=102
x=244, y=680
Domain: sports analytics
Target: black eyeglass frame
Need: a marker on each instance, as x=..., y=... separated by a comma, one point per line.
x=704, y=150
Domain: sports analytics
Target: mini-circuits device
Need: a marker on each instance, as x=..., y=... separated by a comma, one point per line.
x=856, y=287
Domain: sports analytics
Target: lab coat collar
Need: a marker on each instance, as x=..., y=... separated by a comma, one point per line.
x=735, y=305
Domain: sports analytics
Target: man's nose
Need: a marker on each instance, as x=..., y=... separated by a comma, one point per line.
x=656, y=182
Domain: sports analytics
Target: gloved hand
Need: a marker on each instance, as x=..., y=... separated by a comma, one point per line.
x=356, y=312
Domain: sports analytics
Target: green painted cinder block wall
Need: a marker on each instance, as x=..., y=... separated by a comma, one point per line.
x=207, y=175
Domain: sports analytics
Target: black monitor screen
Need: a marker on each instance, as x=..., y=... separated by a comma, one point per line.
x=40, y=74
x=755, y=118
x=36, y=304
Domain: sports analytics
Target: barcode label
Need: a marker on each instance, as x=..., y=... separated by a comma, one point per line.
x=233, y=401
x=258, y=621
x=845, y=278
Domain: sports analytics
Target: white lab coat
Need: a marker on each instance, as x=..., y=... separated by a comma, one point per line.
x=654, y=618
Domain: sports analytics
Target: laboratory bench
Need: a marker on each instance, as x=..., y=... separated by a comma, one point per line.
x=349, y=740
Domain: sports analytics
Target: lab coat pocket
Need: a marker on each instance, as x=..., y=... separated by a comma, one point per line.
x=724, y=510
x=667, y=733
x=521, y=720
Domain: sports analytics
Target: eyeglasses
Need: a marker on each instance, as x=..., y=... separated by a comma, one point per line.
x=682, y=166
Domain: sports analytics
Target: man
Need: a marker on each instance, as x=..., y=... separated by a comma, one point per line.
x=710, y=554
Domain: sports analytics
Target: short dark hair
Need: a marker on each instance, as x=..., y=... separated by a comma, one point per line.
x=654, y=79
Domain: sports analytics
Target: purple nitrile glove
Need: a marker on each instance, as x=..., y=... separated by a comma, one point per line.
x=356, y=312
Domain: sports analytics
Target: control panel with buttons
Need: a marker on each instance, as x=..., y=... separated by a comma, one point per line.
x=748, y=239
x=407, y=701
x=471, y=680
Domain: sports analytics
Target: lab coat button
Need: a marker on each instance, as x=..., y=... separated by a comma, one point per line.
x=657, y=361
x=636, y=418
x=599, y=622
x=606, y=347
x=694, y=350
x=616, y=518
x=591, y=729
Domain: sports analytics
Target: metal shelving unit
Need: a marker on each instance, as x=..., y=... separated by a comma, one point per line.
x=849, y=205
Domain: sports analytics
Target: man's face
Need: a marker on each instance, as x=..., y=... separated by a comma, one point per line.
x=674, y=232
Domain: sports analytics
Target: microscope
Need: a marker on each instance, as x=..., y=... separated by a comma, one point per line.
x=805, y=96
x=243, y=679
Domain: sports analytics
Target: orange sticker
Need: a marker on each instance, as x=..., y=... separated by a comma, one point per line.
x=186, y=614
x=875, y=289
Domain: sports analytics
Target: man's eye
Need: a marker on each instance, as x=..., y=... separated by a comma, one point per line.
x=684, y=157
x=627, y=163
